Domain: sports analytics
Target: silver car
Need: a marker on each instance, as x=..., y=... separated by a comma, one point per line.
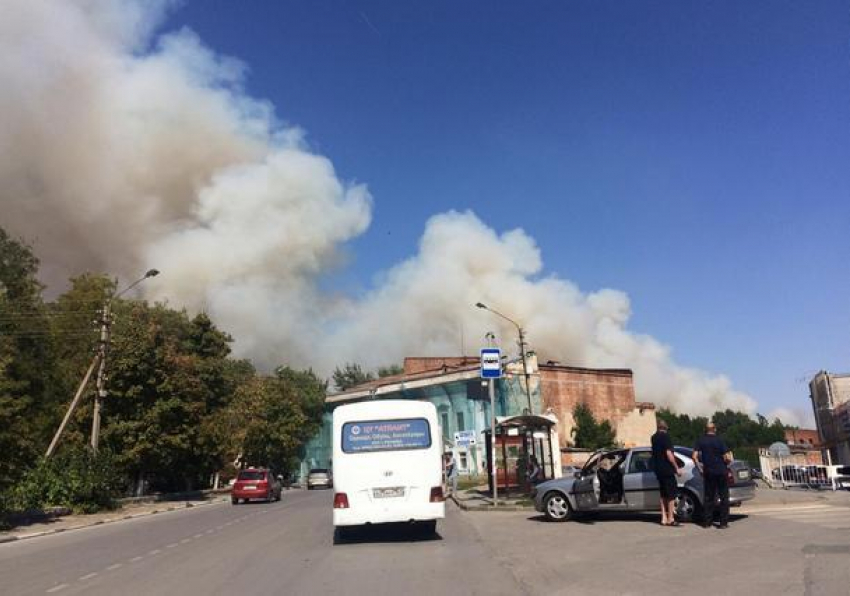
x=319, y=477
x=623, y=480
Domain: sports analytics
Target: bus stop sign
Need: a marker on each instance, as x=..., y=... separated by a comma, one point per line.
x=491, y=363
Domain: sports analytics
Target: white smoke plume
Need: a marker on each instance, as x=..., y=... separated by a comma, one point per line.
x=123, y=149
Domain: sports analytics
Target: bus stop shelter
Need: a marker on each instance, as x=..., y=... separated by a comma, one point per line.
x=518, y=438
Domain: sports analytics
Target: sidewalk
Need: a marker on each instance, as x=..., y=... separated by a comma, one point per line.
x=479, y=499
x=127, y=511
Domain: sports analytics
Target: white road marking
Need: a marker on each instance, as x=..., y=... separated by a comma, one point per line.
x=172, y=545
x=134, y=559
x=57, y=588
x=155, y=551
x=88, y=576
x=185, y=540
x=197, y=536
x=210, y=531
x=221, y=527
x=115, y=566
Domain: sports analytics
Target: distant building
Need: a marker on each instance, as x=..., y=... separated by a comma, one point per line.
x=806, y=444
x=454, y=385
x=830, y=395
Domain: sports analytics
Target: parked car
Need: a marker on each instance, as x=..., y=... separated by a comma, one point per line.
x=255, y=483
x=319, y=477
x=623, y=480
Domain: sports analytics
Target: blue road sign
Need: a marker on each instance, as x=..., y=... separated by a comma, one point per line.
x=491, y=363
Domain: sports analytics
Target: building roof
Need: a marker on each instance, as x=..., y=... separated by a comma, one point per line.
x=428, y=371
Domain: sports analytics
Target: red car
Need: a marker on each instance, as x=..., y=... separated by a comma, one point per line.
x=255, y=483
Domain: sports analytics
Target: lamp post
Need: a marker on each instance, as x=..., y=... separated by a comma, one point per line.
x=103, y=349
x=521, y=333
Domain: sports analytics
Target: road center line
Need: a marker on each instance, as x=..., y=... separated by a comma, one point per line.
x=115, y=566
x=134, y=559
x=172, y=545
x=155, y=551
x=196, y=536
x=185, y=540
x=57, y=588
x=88, y=576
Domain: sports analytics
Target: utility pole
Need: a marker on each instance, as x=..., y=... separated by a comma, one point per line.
x=525, y=368
x=521, y=333
x=100, y=362
x=72, y=407
x=102, y=353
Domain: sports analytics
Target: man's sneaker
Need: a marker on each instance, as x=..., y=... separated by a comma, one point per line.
x=723, y=526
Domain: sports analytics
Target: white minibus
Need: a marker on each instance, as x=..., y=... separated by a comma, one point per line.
x=387, y=464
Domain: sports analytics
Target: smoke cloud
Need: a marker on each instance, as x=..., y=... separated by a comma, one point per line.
x=124, y=149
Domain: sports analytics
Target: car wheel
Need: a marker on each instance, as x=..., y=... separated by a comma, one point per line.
x=687, y=506
x=556, y=507
x=234, y=501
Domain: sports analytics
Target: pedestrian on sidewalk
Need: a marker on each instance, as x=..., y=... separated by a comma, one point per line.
x=666, y=469
x=711, y=457
x=452, y=474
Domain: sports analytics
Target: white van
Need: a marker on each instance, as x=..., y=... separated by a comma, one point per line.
x=387, y=464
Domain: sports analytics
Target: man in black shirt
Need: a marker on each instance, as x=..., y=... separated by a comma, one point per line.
x=711, y=457
x=666, y=470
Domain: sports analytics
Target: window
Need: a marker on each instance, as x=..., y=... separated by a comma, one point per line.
x=463, y=461
x=251, y=475
x=444, y=418
x=641, y=462
x=386, y=435
x=460, y=425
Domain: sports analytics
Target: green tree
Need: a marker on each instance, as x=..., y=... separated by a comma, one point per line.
x=28, y=372
x=588, y=433
x=389, y=371
x=350, y=375
x=270, y=419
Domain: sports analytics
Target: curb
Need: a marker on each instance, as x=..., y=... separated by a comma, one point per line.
x=490, y=508
x=4, y=539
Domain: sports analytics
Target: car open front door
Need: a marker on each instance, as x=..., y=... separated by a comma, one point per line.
x=586, y=487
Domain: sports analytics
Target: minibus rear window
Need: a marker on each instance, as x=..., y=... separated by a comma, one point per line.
x=386, y=435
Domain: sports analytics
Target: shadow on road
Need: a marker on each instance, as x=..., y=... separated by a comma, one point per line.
x=385, y=533
x=602, y=517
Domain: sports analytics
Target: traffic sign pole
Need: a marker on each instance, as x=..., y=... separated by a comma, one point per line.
x=492, y=384
x=491, y=369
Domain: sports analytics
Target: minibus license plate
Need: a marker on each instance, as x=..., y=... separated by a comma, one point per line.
x=386, y=493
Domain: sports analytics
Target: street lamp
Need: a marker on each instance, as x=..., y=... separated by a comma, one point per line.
x=521, y=349
x=103, y=348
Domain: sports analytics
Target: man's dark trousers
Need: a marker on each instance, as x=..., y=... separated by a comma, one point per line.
x=715, y=484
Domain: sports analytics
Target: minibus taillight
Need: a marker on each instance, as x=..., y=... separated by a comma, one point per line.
x=437, y=494
x=340, y=501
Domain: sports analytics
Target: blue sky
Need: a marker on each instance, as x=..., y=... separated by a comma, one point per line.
x=692, y=154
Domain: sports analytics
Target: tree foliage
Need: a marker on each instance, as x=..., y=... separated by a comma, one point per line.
x=588, y=433
x=736, y=428
x=350, y=375
x=179, y=407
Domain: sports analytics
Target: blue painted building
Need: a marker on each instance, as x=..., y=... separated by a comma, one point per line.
x=455, y=387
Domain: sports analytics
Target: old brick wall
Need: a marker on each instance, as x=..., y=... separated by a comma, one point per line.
x=609, y=393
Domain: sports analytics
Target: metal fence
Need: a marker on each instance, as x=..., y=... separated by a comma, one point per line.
x=795, y=471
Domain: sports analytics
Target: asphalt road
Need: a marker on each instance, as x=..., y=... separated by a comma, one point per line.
x=259, y=548
x=288, y=548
